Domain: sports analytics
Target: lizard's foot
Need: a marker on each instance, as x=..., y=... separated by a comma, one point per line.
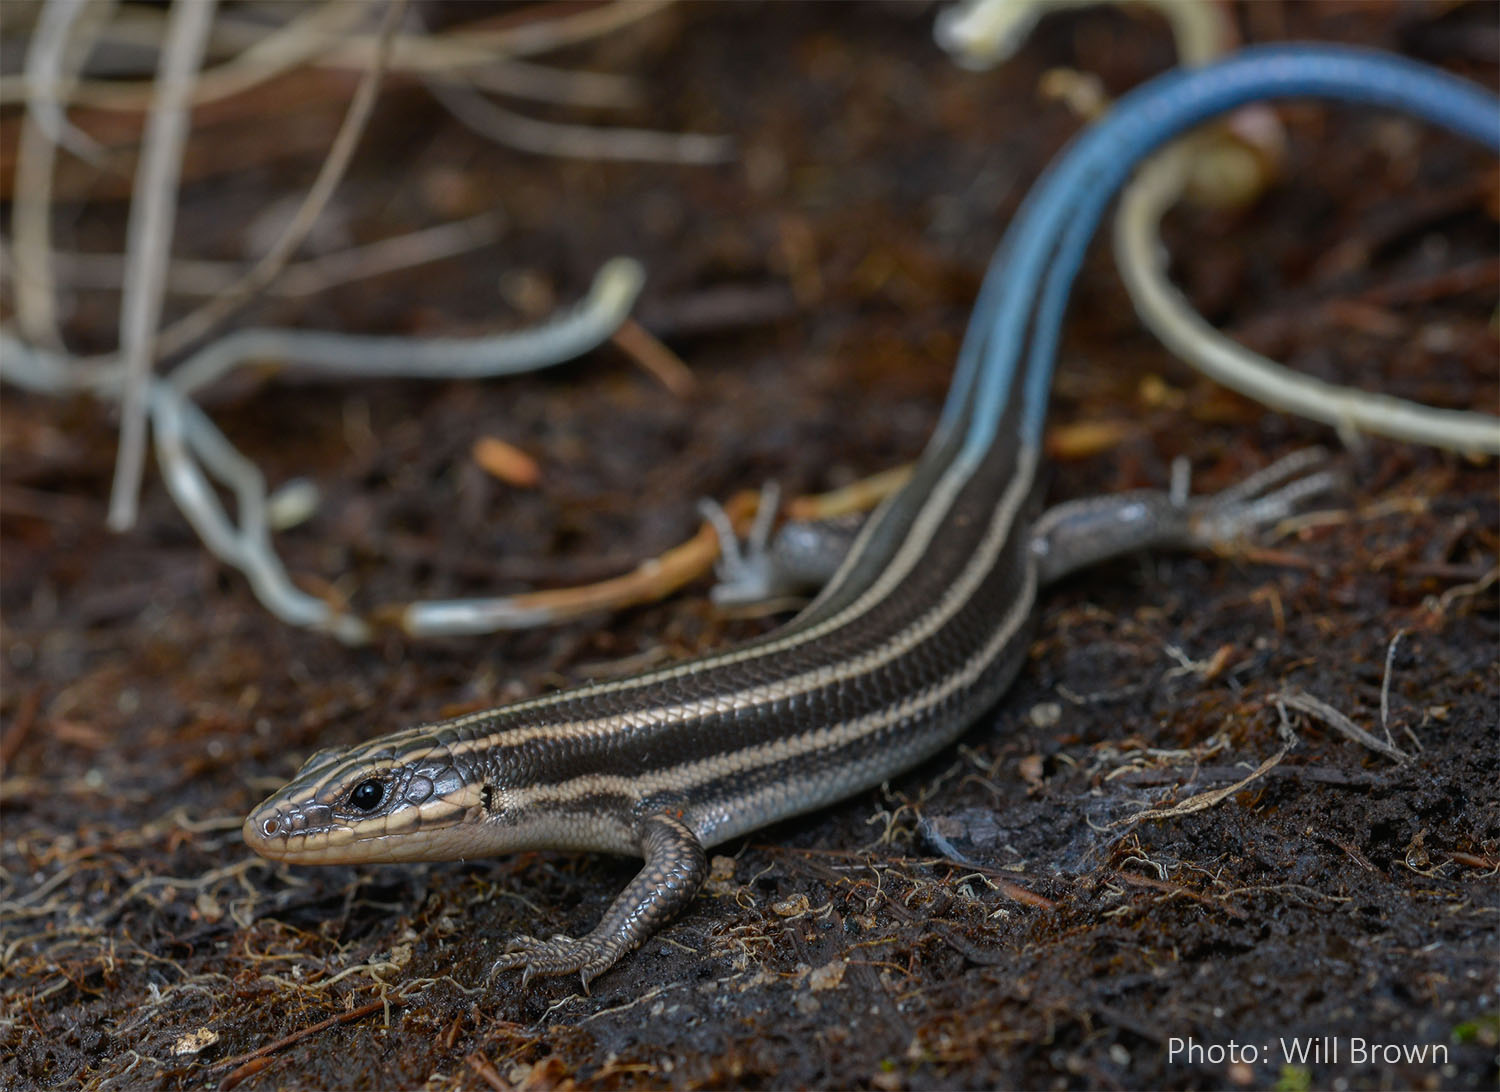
x=590, y=957
x=801, y=558
x=746, y=571
x=1265, y=497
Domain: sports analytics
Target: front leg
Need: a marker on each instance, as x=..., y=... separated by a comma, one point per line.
x=676, y=866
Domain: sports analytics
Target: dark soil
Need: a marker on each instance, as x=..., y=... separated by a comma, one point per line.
x=992, y=919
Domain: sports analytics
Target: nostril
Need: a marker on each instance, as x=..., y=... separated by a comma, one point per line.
x=270, y=827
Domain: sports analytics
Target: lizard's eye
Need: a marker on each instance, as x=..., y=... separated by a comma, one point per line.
x=367, y=795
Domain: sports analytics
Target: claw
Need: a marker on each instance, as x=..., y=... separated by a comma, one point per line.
x=560, y=954
x=1265, y=497
x=501, y=964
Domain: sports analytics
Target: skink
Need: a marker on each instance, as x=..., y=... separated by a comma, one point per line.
x=918, y=632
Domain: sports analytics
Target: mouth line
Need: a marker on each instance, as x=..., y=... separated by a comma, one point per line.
x=275, y=837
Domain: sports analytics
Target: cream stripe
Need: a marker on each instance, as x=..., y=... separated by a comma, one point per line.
x=954, y=597
x=691, y=776
x=930, y=518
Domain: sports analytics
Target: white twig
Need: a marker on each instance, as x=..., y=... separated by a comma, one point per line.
x=31, y=221
x=320, y=30
x=562, y=337
x=1385, y=685
x=1140, y=258
x=149, y=238
x=321, y=37
x=465, y=45
x=576, y=141
x=524, y=80
x=303, y=38
x=179, y=426
x=184, y=435
x=983, y=33
x=195, y=325
x=206, y=277
x=59, y=46
x=50, y=66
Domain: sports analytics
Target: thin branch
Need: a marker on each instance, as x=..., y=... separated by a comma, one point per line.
x=1385, y=685
x=193, y=326
x=206, y=277
x=472, y=45
x=185, y=436
x=320, y=30
x=319, y=38
x=149, y=239
x=1320, y=710
x=980, y=34
x=59, y=46
x=524, y=80
x=653, y=579
x=1140, y=258
x=983, y=33
x=576, y=141
x=1204, y=800
x=242, y=1061
x=562, y=336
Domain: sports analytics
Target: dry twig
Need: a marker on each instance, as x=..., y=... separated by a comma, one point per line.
x=153, y=213
x=1327, y=714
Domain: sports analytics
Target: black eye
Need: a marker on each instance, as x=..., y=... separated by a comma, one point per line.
x=367, y=795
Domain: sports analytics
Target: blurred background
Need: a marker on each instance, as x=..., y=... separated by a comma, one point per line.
x=211, y=541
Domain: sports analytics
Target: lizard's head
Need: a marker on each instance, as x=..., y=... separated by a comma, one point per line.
x=405, y=797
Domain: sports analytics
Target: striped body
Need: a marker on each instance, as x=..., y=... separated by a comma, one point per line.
x=916, y=636
x=920, y=630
